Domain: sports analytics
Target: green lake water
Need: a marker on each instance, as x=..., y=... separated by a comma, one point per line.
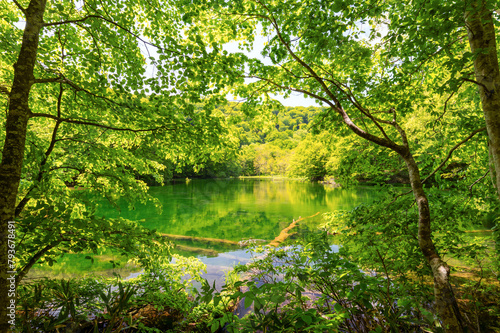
x=234, y=210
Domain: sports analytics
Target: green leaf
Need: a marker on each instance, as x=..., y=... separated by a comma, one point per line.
x=215, y=326
x=248, y=300
x=307, y=319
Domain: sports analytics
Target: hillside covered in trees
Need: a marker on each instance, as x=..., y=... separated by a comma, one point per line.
x=293, y=142
x=265, y=146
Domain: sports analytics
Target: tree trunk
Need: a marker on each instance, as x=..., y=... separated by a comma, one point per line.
x=446, y=304
x=13, y=149
x=481, y=32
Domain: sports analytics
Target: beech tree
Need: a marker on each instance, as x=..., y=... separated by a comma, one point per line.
x=81, y=111
x=367, y=62
x=482, y=38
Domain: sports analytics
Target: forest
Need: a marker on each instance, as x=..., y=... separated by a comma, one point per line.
x=104, y=100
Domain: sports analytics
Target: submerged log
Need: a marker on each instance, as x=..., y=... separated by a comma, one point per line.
x=199, y=250
x=284, y=233
x=200, y=239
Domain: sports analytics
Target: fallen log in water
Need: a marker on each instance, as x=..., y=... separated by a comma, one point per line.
x=199, y=250
x=284, y=233
x=250, y=241
x=200, y=239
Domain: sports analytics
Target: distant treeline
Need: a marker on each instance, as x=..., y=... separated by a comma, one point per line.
x=280, y=144
x=290, y=142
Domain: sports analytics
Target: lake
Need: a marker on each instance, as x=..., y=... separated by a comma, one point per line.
x=234, y=210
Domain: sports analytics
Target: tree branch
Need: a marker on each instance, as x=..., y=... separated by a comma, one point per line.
x=78, y=88
x=63, y=79
x=398, y=196
x=443, y=48
x=293, y=89
x=85, y=18
x=33, y=260
x=20, y=206
x=451, y=152
x=92, y=123
x=18, y=5
x=446, y=103
x=49, y=80
x=477, y=181
x=443, y=163
x=338, y=106
x=94, y=40
x=350, y=95
x=67, y=167
x=478, y=83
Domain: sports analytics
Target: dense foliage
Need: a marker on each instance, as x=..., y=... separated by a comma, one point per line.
x=159, y=300
x=404, y=98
